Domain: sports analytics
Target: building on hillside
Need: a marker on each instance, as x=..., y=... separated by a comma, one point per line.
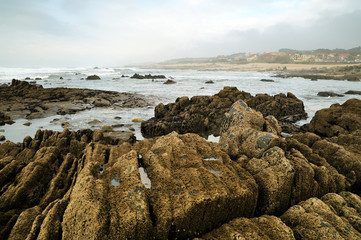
x=252, y=58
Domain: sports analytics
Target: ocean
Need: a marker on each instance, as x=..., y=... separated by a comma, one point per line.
x=188, y=83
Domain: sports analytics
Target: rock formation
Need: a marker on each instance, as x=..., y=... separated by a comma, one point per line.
x=203, y=114
x=338, y=119
x=253, y=184
x=24, y=100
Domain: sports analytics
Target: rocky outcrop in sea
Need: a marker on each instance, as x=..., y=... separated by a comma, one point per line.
x=22, y=99
x=203, y=114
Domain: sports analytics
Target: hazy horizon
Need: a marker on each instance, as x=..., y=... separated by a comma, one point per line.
x=64, y=33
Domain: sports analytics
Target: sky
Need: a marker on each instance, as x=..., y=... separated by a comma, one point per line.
x=74, y=33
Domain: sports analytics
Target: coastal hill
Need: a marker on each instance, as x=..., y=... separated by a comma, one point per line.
x=284, y=55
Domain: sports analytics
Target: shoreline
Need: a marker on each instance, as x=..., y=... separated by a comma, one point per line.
x=261, y=67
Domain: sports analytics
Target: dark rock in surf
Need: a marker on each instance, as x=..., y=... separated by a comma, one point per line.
x=93, y=77
x=329, y=94
x=169, y=82
x=353, y=92
x=203, y=114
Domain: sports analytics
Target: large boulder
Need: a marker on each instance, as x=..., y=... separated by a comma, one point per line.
x=203, y=114
x=195, y=186
x=337, y=119
x=246, y=131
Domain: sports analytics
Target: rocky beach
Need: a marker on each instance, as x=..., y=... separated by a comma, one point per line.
x=266, y=176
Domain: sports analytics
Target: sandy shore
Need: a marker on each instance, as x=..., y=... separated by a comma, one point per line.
x=247, y=67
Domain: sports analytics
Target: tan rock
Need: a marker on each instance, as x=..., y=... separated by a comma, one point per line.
x=243, y=132
x=264, y=227
x=195, y=186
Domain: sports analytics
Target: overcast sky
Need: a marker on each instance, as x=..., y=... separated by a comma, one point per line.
x=43, y=33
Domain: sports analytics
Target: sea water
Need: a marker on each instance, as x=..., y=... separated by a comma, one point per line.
x=188, y=83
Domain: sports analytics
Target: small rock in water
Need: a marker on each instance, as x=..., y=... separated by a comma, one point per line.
x=27, y=124
x=131, y=129
x=38, y=78
x=95, y=121
x=210, y=82
x=2, y=138
x=66, y=125
x=2, y=130
x=353, y=92
x=137, y=120
x=267, y=80
x=117, y=118
x=107, y=128
x=329, y=94
x=117, y=125
x=169, y=82
x=93, y=77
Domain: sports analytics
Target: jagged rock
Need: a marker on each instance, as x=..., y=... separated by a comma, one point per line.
x=195, y=186
x=93, y=77
x=337, y=119
x=5, y=119
x=274, y=175
x=109, y=203
x=286, y=108
x=346, y=162
x=317, y=218
x=203, y=114
x=245, y=131
x=329, y=94
x=263, y=227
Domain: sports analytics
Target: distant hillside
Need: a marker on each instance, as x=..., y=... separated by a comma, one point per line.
x=353, y=51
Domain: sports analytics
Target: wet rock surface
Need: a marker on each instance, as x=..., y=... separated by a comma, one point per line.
x=22, y=99
x=203, y=114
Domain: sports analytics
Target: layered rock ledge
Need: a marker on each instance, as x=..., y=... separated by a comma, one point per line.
x=22, y=99
x=203, y=114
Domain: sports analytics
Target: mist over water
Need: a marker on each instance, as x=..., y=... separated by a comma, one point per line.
x=188, y=83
